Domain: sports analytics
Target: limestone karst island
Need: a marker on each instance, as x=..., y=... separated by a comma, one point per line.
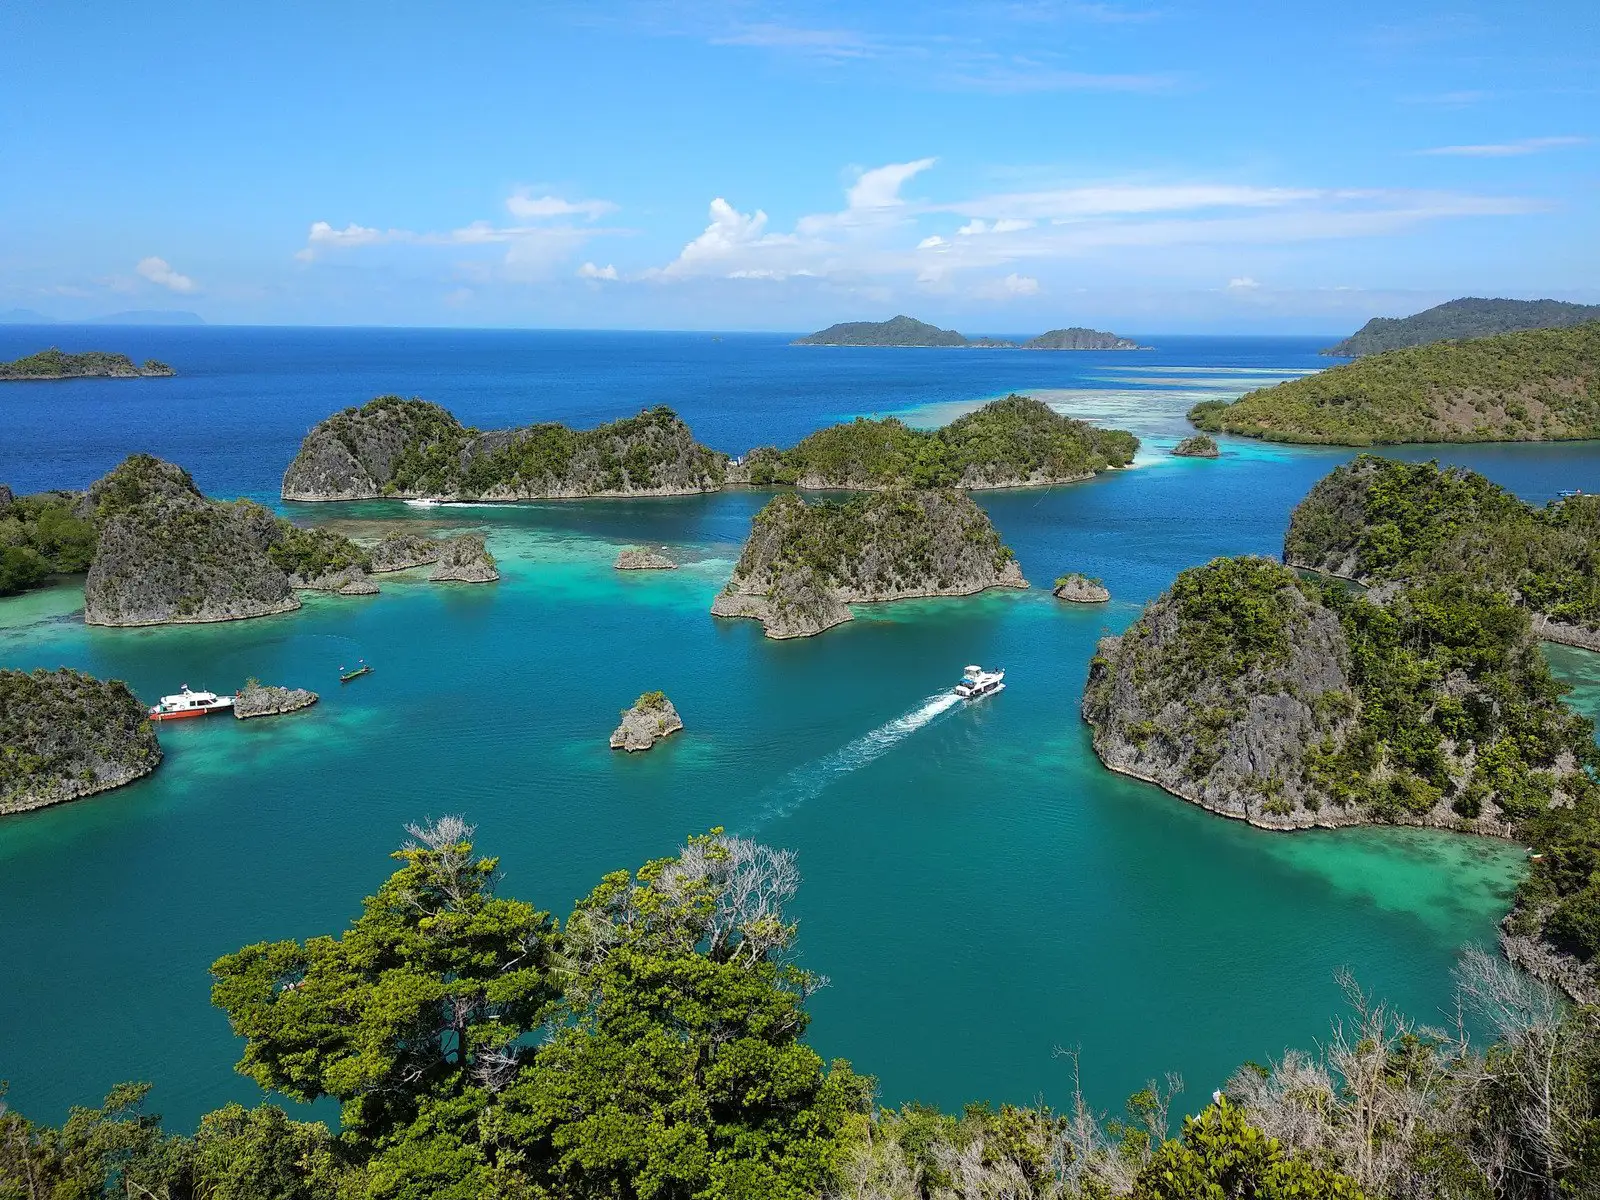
x=988, y=601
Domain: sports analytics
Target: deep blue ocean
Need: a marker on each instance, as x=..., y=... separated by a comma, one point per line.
x=978, y=889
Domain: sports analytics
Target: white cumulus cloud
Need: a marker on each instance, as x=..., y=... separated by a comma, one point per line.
x=1242, y=283
x=159, y=270
x=1012, y=287
x=590, y=271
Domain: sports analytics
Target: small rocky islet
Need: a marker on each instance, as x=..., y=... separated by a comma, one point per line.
x=806, y=562
x=1201, y=445
x=1080, y=589
x=650, y=718
x=635, y=559
x=90, y=364
x=256, y=699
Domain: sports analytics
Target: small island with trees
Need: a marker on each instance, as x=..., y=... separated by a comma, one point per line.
x=91, y=364
x=804, y=564
x=1533, y=386
x=904, y=331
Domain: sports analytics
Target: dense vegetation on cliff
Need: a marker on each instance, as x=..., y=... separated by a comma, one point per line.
x=396, y=447
x=40, y=536
x=1013, y=442
x=54, y=364
x=1380, y=521
x=653, y=1048
x=1539, y=385
x=1260, y=694
x=64, y=734
x=1469, y=317
x=803, y=563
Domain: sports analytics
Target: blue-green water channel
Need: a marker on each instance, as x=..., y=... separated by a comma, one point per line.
x=979, y=891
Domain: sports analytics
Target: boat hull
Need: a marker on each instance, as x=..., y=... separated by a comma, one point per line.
x=187, y=713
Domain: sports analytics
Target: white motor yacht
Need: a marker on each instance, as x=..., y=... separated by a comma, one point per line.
x=190, y=704
x=976, y=683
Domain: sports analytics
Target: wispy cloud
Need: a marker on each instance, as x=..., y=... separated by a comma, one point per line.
x=1508, y=149
x=798, y=39
x=1011, y=287
x=932, y=244
x=1019, y=76
x=532, y=250
x=158, y=270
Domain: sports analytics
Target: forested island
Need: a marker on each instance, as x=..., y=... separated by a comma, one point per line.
x=1013, y=442
x=411, y=448
x=1290, y=701
x=64, y=734
x=416, y=450
x=475, y=1044
x=804, y=564
x=91, y=364
x=909, y=332
x=156, y=551
x=1382, y=523
x=1534, y=386
x=1469, y=317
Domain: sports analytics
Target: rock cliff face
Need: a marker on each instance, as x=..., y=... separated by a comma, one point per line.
x=64, y=734
x=1080, y=589
x=651, y=718
x=270, y=701
x=410, y=448
x=644, y=560
x=804, y=563
x=1260, y=695
x=465, y=559
x=167, y=554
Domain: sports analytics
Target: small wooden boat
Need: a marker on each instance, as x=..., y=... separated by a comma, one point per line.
x=346, y=676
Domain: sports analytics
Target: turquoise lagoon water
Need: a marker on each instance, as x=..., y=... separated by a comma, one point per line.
x=978, y=890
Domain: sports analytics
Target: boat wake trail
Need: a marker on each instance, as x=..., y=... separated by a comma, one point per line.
x=807, y=781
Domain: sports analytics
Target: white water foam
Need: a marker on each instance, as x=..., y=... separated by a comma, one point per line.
x=807, y=781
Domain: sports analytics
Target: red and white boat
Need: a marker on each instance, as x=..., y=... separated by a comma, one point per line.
x=190, y=704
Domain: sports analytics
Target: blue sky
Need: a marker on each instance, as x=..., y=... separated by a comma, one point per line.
x=997, y=166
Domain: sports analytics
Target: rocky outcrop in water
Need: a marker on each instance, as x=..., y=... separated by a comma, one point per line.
x=465, y=559
x=644, y=560
x=651, y=718
x=64, y=734
x=805, y=563
x=1080, y=589
x=414, y=449
x=258, y=700
x=1201, y=445
x=403, y=551
x=166, y=554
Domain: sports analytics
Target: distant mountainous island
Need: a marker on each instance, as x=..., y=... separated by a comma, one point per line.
x=141, y=316
x=91, y=364
x=1539, y=385
x=1469, y=317
x=908, y=331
